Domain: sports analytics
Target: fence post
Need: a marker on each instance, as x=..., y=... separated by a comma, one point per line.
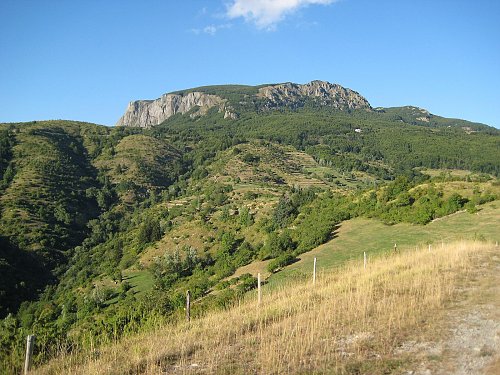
x=188, y=306
x=429, y=248
x=30, y=343
x=364, y=259
x=314, y=271
x=395, y=248
x=259, y=290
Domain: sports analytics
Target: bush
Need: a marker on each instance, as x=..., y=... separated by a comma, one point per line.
x=471, y=207
x=150, y=231
x=244, y=254
x=247, y=283
x=250, y=158
x=280, y=262
x=284, y=212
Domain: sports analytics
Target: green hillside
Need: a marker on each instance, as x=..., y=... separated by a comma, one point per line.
x=103, y=229
x=359, y=235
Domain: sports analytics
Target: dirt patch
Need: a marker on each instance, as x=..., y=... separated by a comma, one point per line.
x=469, y=341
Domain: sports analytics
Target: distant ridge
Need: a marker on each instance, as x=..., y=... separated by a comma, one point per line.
x=324, y=93
x=149, y=113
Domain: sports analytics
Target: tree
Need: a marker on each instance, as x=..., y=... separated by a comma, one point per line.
x=149, y=231
x=283, y=212
x=246, y=218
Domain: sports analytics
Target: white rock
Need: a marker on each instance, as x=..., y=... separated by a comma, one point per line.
x=148, y=113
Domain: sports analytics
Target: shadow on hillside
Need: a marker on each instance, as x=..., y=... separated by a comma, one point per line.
x=334, y=233
x=23, y=276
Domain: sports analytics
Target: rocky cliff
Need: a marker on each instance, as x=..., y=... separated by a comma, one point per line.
x=323, y=93
x=148, y=113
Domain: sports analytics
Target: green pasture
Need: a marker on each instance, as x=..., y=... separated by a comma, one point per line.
x=354, y=237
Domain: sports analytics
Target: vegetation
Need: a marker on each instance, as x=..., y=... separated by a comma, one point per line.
x=354, y=237
x=102, y=230
x=363, y=315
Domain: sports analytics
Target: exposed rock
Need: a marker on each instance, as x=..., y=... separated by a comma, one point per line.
x=324, y=93
x=417, y=110
x=230, y=115
x=148, y=113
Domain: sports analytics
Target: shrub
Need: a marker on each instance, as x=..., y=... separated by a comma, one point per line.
x=280, y=262
x=150, y=231
x=247, y=283
x=471, y=207
x=250, y=158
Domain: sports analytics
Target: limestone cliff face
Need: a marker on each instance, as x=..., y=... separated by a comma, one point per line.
x=324, y=93
x=148, y=113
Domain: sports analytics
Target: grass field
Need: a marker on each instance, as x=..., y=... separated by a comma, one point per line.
x=351, y=322
x=140, y=280
x=245, y=339
x=446, y=172
x=356, y=236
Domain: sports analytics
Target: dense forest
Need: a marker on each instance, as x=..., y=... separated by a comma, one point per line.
x=102, y=230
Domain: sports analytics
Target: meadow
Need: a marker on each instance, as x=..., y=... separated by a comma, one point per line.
x=354, y=237
x=351, y=321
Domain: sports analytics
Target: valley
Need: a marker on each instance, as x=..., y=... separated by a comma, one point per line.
x=103, y=229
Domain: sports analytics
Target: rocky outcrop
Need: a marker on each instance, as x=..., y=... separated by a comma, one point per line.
x=323, y=93
x=148, y=113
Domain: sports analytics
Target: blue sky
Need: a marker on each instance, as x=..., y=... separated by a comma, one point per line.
x=86, y=59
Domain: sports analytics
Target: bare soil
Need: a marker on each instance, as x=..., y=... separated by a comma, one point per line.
x=467, y=341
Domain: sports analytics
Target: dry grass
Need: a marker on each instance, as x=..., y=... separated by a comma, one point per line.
x=349, y=322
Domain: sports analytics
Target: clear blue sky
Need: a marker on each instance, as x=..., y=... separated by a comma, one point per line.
x=86, y=59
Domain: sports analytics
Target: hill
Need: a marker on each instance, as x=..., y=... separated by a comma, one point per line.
x=103, y=229
x=375, y=320
x=234, y=100
x=327, y=120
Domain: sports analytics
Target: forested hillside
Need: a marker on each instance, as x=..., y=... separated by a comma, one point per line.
x=103, y=229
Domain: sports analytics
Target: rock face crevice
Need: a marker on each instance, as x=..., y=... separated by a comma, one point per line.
x=148, y=113
x=323, y=93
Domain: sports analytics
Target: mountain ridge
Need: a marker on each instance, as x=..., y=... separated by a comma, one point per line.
x=149, y=113
x=116, y=222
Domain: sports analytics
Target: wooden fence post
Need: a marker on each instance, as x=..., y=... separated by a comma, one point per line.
x=429, y=248
x=314, y=271
x=188, y=306
x=395, y=248
x=364, y=259
x=30, y=343
x=259, y=290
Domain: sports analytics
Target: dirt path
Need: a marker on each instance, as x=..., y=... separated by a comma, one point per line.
x=470, y=342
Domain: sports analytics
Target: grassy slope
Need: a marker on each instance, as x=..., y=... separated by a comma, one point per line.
x=103, y=144
x=358, y=235
x=141, y=159
x=351, y=322
x=282, y=164
x=52, y=167
x=352, y=238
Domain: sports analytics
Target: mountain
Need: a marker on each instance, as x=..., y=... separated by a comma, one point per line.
x=148, y=113
x=102, y=229
x=322, y=93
